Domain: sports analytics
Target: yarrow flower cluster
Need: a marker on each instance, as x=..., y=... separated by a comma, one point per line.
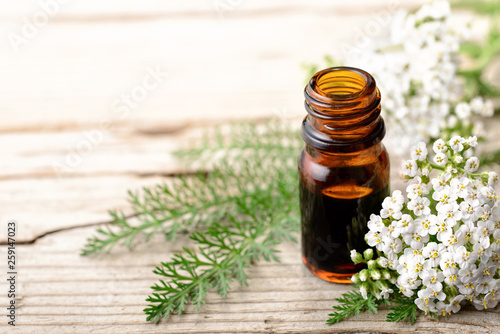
x=439, y=246
x=416, y=72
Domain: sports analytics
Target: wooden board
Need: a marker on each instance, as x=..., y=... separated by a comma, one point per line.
x=65, y=293
x=63, y=93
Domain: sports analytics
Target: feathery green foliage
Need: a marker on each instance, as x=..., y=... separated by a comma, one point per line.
x=486, y=7
x=352, y=303
x=247, y=161
x=404, y=309
x=241, y=208
x=223, y=254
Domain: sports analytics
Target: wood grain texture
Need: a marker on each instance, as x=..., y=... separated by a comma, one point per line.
x=65, y=293
x=45, y=198
x=59, y=96
x=89, y=54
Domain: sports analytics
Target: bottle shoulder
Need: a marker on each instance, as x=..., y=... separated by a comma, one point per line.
x=361, y=167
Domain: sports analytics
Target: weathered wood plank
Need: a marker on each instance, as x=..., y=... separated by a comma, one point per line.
x=43, y=205
x=44, y=130
x=82, y=302
x=65, y=82
x=43, y=198
x=102, y=299
x=250, y=56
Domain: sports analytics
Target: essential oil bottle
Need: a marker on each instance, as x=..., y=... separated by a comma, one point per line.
x=343, y=169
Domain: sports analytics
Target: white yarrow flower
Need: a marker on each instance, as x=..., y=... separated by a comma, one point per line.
x=472, y=141
x=417, y=190
x=426, y=225
x=409, y=168
x=454, y=305
x=463, y=110
x=456, y=143
x=477, y=105
x=471, y=165
x=492, y=179
x=420, y=206
x=439, y=146
x=440, y=159
x=406, y=225
x=375, y=223
x=441, y=253
x=419, y=152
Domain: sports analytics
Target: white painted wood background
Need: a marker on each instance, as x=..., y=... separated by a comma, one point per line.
x=60, y=89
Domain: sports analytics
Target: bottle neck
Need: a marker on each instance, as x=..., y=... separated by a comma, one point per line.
x=343, y=159
x=343, y=104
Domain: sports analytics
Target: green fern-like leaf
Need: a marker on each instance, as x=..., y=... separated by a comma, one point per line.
x=237, y=211
x=255, y=162
x=223, y=254
x=404, y=309
x=352, y=303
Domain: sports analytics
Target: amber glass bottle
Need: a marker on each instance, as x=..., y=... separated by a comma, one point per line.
x=343, y=169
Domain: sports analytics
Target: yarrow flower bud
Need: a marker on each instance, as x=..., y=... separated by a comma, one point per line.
x=382, y=262
x=355, y=278
x=458, y=159
x=368, y=254
x=386, y=274
x=363, y=275
x=363, y=289
x=356, y=257
x=375, y=274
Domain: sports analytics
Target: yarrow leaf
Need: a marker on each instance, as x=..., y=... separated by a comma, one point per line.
x=237, y=212
x=249, y=153
x=404, y=309
x=352, y=303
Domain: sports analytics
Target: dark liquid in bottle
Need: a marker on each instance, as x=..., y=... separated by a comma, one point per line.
x=334, y=221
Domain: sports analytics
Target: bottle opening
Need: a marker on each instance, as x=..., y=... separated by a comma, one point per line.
x=339, y=83
x=344, y=110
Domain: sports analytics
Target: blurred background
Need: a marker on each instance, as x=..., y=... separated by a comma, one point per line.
x=228, y=59
x=95, y=95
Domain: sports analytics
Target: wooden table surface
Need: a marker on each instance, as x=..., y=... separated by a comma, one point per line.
x=72, y=146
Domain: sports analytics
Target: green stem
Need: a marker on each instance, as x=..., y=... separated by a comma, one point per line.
x=434, y=166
